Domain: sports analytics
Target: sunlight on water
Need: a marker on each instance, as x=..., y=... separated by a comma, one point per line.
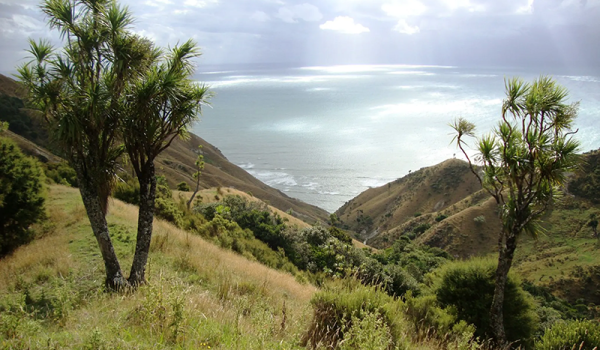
x=325, y=134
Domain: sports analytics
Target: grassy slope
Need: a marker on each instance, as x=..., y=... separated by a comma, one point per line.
x=177, y=164
x=425, y=191
x=199, y=296
x=213, y=195
x=565, y=258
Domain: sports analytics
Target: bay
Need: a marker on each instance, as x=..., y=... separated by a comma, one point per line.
x=325, y=134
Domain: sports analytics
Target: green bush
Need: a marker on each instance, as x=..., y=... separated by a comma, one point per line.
x=128, y=192
x=421, y=228
x=168, y=210
x=581, y=335
x=368, y=333
x=428, y=318
x=61, y=173
x=467, y=288
x=21, y=196
x=340, y=305
x=400, y=282
x=183, y=186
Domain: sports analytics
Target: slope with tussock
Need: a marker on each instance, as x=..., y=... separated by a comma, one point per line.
x=425, y=191
x=177, y=164
x=198, y=297
x=564, y=258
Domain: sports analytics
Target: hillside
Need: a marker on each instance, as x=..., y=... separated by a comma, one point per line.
x=441, y=206
x=177, y=164
x=199, y=296
x=425, y=191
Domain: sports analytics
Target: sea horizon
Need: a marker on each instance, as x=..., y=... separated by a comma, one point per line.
x=324, y=134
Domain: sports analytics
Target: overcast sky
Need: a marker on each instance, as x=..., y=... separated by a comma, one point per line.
x=310, y=32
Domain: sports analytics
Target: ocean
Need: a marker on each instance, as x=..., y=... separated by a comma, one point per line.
x=325, y=134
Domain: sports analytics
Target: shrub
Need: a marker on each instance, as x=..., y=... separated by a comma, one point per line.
x=428, y=318
x=167, y=210
x=183, y=186
x=400, y=282
x=479, y=219
x=21, y=196
x=341, y=307
x=368, y=333
x=128, y=192
x=421, y=228
x=582, y=335
x=440, y=217
x=467, y=288
x=61, y=173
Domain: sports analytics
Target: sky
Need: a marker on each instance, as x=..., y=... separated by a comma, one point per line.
x=487, y=33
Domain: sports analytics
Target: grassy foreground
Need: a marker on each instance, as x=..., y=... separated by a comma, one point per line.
x=198, y=297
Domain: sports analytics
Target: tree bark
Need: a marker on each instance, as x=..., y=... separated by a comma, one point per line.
x=147, y=181
x=91, y=202
x=506, y=250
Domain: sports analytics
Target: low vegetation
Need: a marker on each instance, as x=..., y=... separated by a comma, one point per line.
x=21, y=196
x=225, y=270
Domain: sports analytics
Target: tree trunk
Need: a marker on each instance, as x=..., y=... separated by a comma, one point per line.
x=506, y=251
x=91, y=202
x=147, y=181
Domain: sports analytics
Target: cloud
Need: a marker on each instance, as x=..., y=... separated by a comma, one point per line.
x=404, y=9
x=259, y=16
x=199, y=3
x=526, y=9
x=344, y=25
x=305, y=12
x=405, y=28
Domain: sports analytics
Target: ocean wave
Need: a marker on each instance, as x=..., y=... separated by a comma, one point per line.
x=479, y=75
x=246, y=165
x=366, y=68
x=582, y=78
x=411, y=72
x=317, y=89
x=273, y=178
x=433, y=107
x=217, y=72
x=290, y=127
x=434, y=86
x=231, y=81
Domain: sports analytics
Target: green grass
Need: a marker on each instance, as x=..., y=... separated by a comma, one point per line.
x=198, y=296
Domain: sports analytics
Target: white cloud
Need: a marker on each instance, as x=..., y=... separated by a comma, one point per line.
x=259, y=16
x=405, y=28
x=199, y=3
x=305, y=12
x=404, y=9
x=27, y=22
x=158, y=3
x=454, y=5
x=345, y=25
x=527, y=9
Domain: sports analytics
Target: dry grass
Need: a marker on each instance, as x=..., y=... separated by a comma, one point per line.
x=198, y=295
x=211, y=195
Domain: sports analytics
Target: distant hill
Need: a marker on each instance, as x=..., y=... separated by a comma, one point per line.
x=444, y=206
x=425, y=191
x=177, y=164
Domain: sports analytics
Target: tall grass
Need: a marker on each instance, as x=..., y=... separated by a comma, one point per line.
x=198, y=296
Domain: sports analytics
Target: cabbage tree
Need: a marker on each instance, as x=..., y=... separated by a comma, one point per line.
x=522, y=163
x=160, y=106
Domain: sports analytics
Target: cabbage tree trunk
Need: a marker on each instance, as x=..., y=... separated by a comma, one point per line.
x=92, y=203
x=147, y=180
x=507, y=244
